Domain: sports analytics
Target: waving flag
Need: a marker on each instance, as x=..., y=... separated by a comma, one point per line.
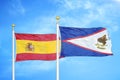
x=85, y=42
x=35, y=46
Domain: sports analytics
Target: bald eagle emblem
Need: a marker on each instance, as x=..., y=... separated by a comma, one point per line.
x=29, y=47
x=101, y=42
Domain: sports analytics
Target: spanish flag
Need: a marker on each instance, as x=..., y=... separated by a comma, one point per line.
x=35, y=46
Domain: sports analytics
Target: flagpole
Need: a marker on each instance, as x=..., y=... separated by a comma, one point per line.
x=13, y=54
x=57, y=48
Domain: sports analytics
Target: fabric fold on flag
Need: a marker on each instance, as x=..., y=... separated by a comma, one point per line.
x=35, y=46
x=85, y=42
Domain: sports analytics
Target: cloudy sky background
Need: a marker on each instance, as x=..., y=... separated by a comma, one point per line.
x=38, y=16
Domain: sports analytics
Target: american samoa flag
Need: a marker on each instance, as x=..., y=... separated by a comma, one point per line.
x=85, y=42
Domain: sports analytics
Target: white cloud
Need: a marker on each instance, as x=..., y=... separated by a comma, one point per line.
x=16, y=7
x=74, y=4
x=88, y=5
x=117, y=0
x=79, y=14
x=85, y=13
x=46, y=24
x=75, y=8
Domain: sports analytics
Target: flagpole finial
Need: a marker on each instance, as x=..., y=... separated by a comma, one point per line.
x=13, y=25
x=57, y=17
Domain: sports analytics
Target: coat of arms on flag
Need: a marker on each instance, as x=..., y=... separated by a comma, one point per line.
x=101, y=42
x=85, y=42
x=29, y=47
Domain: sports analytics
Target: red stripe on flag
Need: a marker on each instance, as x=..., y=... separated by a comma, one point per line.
x=35, y=37
x=33, y=56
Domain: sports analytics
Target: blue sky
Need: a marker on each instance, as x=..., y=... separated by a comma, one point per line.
x=38, y=16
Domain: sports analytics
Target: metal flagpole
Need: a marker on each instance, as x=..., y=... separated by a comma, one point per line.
x=13, y=55
x=57, y=48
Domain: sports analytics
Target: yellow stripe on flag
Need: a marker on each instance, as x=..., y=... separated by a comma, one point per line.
x=39, y=47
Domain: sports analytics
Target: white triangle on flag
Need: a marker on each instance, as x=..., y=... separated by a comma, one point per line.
x=91, y=42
